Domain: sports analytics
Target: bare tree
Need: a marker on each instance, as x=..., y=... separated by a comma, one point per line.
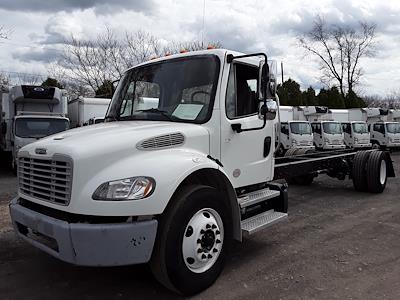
x=95, y=62
x=339, y=50
x=4, y=33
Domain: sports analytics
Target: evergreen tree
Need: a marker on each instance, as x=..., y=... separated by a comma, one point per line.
x=335, y=98
x=354, y=101
x=105, y=90
x=309, y=97
x=289, y=93
x=51, y=82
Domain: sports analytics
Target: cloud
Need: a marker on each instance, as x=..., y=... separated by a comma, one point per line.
x=52, y=6
x=43, y=55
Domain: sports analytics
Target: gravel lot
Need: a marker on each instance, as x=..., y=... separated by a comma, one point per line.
x=337, y=244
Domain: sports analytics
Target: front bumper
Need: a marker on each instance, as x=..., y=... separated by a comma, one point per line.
x=357, y=146
x=393, y=145
x=332, y=146
x=110, y=244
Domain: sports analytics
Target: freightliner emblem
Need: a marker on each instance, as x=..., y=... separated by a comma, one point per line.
x=41, y=151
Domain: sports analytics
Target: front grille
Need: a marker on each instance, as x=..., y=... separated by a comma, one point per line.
x=46, y=179
x=336, y=142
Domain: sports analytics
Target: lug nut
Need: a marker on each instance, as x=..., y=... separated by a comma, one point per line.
x=209, y=256
x=213, y=226
x=203, y=256
x=215, y=250
x=208, y=226
x=217, y=241
x=217, y=232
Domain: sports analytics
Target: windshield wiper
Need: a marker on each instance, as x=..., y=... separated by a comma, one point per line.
x=164, y=113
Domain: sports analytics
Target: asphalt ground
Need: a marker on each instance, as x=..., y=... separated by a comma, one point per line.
x=336, y=244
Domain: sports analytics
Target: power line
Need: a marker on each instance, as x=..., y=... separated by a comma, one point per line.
x=23, y=73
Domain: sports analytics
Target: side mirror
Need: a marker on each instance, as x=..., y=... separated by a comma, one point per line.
x=263, y=76
x=269, y=111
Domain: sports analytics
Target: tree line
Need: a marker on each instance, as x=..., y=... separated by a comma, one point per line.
x=290, y=94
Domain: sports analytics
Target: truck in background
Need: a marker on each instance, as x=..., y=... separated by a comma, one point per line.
x=87, y=111
x=384, y=133
x=327, y=132
x=294, y=133
x=30, y=113
x=355, y=129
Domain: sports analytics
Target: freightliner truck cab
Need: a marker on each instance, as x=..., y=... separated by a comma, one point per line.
x=171, y=184
x=183, y=165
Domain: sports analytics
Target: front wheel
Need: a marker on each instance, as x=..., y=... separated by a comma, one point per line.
x=193, y=234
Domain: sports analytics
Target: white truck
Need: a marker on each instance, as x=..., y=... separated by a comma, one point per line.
x=30, y=113
x=327, y=132
x=172, y=185
x=294, y=133
x=355, y=129
x=87, y=111
x=385, y=133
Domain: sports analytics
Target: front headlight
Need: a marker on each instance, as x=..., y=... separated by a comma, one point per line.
x=133, y=188
x=356, y=140
x=326, y=140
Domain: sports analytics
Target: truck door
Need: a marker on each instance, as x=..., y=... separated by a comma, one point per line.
x=378, y=133
x=247, y=157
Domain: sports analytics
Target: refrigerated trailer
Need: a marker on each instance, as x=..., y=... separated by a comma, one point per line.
x=173, y=185
x=87, y=111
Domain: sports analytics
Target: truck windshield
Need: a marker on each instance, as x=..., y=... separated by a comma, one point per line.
x=39, y=127
x=360, y=127
x=393, y=127
x=300, y=128
x=332, y=128
x=178, y=90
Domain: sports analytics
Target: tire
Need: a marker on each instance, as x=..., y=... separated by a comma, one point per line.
x=177, y=261
x=377, y=171
x=291, y=152
x=359, y=171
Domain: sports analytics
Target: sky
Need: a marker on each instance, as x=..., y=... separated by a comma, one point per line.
x=39, y=29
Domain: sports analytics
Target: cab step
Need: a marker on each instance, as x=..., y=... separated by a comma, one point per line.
x=261, y=221
x=257, y=197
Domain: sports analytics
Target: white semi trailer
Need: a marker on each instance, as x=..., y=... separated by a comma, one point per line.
x=355, y=129
x=384, y=133
x=294, y=133
x=87, y=111
x=173, y=185
x=31, y=113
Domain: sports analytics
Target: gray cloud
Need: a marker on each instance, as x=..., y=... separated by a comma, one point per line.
x=100, y=6
x=37, y=55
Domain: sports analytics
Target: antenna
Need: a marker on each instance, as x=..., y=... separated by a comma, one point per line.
x=202, y=29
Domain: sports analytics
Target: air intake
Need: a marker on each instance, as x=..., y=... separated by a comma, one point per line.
x=162, y=142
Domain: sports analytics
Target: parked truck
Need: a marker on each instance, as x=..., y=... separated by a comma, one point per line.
x=87, y=111
x=385, y=133
x=327, y=132
x=294, y=133
x=173, y=185
x=355, y=129
x=30, y=113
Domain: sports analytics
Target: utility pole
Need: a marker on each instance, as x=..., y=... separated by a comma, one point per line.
x=282, y=70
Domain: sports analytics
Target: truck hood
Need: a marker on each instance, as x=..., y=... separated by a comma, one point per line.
x=117, y=139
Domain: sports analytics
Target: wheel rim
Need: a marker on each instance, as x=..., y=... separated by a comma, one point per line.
x=202, y=240
x=382, y=176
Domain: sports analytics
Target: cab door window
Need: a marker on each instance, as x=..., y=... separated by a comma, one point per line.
x=241, y=95
x=316, y=128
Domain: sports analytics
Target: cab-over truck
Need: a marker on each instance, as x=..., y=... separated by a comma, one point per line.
x=175, y=183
